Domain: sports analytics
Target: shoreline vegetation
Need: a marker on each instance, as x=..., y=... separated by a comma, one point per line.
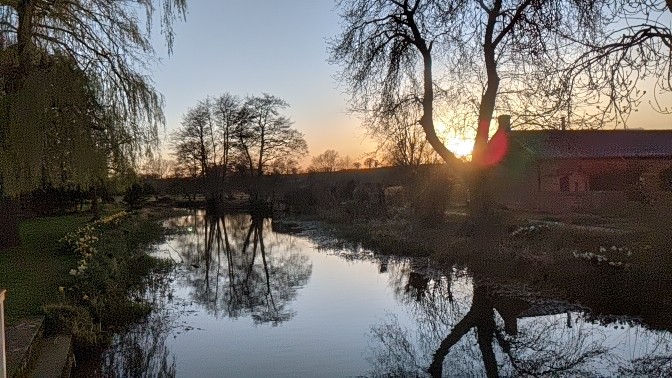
x=614, y=271
x=86, y=277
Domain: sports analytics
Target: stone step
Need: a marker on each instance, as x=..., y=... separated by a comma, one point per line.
x=23, y=338
x=55, y=359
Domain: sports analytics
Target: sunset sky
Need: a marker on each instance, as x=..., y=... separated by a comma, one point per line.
x=255, y=46
x=278, y=47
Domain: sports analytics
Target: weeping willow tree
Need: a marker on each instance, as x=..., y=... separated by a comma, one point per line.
x=75, y=95
x=55, y=130
x=109, y=45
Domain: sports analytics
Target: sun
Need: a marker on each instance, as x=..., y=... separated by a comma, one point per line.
x=462, y=148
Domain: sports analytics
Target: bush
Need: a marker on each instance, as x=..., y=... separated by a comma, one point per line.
x=301, y=201
x=50, y=200
x=112, y=265
x=428, y=199
x=134, y=197
x=71, y=320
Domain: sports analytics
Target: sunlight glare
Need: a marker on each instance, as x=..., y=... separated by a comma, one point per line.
x=460, y=147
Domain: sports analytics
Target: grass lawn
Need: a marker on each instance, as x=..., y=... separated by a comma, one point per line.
x=33, y=271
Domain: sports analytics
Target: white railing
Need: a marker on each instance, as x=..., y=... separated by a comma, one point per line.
x=3, y=359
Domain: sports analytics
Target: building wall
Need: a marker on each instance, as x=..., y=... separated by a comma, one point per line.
x=566, y=185
x=582, y=174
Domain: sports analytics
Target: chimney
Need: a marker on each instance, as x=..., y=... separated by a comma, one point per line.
x=504, y=122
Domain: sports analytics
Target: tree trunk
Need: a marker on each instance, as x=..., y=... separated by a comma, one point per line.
x=95, y=209
x=9, y=224
x=480, y=186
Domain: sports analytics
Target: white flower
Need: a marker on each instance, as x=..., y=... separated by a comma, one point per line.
x=73, y=272
x=602, y=249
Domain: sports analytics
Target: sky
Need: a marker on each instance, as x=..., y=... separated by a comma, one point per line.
x=255, y=46
x=248, y=47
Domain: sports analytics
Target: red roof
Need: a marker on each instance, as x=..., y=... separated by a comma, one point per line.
x=562, y=144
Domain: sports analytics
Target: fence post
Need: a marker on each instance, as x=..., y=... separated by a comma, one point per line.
x=3, y=359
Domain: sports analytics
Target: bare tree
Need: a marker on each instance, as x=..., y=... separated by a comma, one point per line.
x=611, y=72
x=328, y=161
x=401, y=140
x=389, y=51
x=264, y=135
x=225, y=134
x=285, y=166
x=194, y=145
x=157, y=167
x=370, y=163
x=226, y=110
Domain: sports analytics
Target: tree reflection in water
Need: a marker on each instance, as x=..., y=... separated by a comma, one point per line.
x=463, y=327
x=236, y=270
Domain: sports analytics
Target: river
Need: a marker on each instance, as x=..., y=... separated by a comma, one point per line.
x=245, y=301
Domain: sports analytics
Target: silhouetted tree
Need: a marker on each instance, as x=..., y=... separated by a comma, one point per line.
x=329, y=161
x=194, y=145
x=264, y=135
x=388, y=51
x=401, y=140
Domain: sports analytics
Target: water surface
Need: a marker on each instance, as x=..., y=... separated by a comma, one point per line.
x=246, y=301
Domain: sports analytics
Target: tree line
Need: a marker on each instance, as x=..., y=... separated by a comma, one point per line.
x=227, y=134
x=78, y=106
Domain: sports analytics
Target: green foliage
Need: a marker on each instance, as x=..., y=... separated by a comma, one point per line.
x=33, y=271
x=57, y=68
x=112, y=265
x=49, y=130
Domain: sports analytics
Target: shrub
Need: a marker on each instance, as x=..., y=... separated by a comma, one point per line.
x=134, y=196
x=112, y=265
x=301, y=201
x=71, y=320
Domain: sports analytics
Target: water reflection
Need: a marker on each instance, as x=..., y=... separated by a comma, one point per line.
x=438, y=323
x=141, y=350
x=236, y=267
x=463, y=327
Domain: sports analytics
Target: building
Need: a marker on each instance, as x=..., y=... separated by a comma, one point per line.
x=561, y=170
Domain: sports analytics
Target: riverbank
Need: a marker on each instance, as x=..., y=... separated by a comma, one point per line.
x=33, y=271
x=272, y=287
x=79, y=274
x=600, y=266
